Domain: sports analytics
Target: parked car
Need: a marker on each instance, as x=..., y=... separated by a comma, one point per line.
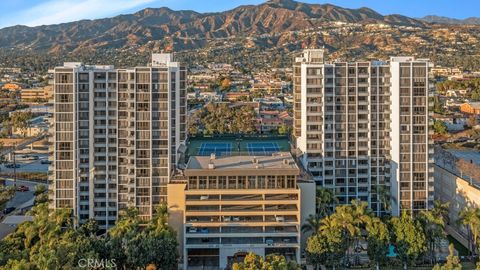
x=45, y=161
x=8, y=210
x=11, y=166
x=33, y=158
x=280, y=219
x=23, y=188
x=204, y=230
x=192, y=230
x=269, y=242
x=204, y=197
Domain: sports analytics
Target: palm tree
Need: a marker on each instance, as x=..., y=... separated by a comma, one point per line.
x=352, y=219
x=434, y=228
x=470, y=218
x=441, y=210
x=325, y=200
x=159, y=222
x=384, y=197
x=312, y=225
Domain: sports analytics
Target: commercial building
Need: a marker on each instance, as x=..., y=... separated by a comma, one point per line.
x=116, y=137
x=362, y=129
x=231, y=205
x=34, y=94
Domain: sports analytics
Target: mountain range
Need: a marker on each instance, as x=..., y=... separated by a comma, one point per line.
x=452, y=21
x=157, y=27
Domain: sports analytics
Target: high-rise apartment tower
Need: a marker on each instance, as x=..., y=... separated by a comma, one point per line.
x=116, y=137
x=362, y=129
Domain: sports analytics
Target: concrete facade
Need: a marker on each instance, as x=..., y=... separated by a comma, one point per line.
x=229, y=206
x=117, y=133
x=362, y=129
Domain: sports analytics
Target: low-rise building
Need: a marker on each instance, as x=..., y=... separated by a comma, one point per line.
x=453, y=122
x=457, y=182
x=34, y=94
x=234, y=96
x=12, y=87
x=231, y=205
x=272, y=120
x=270, y=102
x=471, y=108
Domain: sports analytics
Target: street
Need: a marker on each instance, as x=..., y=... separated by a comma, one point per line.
x=22, y=197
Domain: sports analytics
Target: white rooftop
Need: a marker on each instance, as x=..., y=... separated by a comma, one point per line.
x=280, y=160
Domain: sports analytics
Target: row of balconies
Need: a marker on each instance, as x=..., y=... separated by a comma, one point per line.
x=243, y=218
x=229, y=208
x=199, y=231
x=243, y=197
x=258, y=241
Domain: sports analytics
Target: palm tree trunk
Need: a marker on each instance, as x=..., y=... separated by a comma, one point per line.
x=434, y=257
x=470, y=242
x=377, y=266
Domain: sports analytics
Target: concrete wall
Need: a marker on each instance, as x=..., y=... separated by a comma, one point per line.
x=307, y=204
x=460, y=194
x=395, y=137
x=176, y=209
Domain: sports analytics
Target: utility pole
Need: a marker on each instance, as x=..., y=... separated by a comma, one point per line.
x=14, y=168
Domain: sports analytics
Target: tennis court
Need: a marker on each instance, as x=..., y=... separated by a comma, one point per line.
x=262, y=148
x=220, y=149
x=227, y=146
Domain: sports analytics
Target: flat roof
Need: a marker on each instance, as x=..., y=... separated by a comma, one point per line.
x=468, y=155
x=280, y=161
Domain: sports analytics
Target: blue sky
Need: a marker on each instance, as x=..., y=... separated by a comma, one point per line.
x=39, y=12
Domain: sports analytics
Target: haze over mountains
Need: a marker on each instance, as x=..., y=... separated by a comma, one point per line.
x=447, y=20
x=189, y=27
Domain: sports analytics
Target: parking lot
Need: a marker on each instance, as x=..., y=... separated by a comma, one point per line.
x=26, y=163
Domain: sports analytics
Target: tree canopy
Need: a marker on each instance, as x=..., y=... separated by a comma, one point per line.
x=271, y=262
x=219, y=118
x=51, y=241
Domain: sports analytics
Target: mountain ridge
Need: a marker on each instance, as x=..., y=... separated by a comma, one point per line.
x=162, y=27
x=448, y=20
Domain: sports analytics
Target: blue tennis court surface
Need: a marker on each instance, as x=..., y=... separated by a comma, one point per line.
x=262, y=148
x=220, y=149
